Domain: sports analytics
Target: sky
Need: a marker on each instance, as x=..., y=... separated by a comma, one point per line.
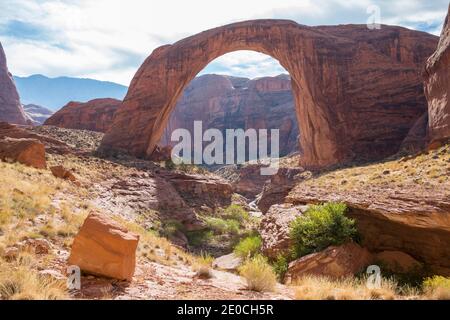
x=109, y=39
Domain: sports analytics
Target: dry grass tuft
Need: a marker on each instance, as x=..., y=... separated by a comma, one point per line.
x=322, y=288
x=259, y=274
x=19, y=281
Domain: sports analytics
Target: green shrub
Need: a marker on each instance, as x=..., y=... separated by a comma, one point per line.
x=320, y=227
x=248, y=247
x=171, y=227
x=437, y=288
x=169, y=165
x=199, y=237
x=436, y=282
x=236, y=212
x=259, y=274
x=280, y=266
x=222, y=226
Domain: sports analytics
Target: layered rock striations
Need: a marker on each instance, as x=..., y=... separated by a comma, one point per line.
x=437, y=87
x=95, y=115
x=11, y=110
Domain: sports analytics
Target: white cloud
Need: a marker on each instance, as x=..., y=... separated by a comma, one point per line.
x=109, y=39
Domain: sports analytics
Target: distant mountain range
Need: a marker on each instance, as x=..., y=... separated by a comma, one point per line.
x=54, y=93
x=37, y=114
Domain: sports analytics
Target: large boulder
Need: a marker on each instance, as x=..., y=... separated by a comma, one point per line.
x=333, y=262
x=95, y=115
x=229, y=262
x=437, y=87
x=104, y=248
x=29, y=152
x=10, y=107
x=275, y=227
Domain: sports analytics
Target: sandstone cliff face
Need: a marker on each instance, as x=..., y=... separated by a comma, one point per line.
x=357, y=91
x=10, y=108
x=224, y=102
x=95, y=115
x=437, y=87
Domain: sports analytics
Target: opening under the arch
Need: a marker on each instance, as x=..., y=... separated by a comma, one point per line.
x=239, y=90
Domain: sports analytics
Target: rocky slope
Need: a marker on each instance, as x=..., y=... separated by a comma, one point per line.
x=10, y=107
x=437, y=87
x=399, y=205
x=37, y=114
x=95, y=115
x=225, y=102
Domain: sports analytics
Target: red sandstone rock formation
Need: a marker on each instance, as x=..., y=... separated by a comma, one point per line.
x=10, y=108
x=29, y=152
x=357, y=91
x=95, y=115
x=63, y=173
x=414, y=220
x=102, y=247
x=51, y=145
x=437, y=87
x=275, y=228
x=333, y=262
x=225, y=102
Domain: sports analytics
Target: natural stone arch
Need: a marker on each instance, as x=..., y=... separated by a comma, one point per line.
x=335, y=74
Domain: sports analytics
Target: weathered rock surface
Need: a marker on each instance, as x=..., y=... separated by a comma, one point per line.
x=397, y=261
x=417, y=138
x=246, y=179
x=229, y=262
x=275, y=227
x=278, y=187
x=10, y=107
x=333, y=262
x=29, y=152
x=51, y=145
x=37, y=114
x=200, y=190
x=225, y=102
x=437, y=87
x=95, y=115
x=357, y=91
x=103, y=247
x=413, y=220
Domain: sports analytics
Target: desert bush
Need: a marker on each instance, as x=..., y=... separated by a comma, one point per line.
x=320, y=227
x=258, y=274
x=280, y=266
x=248, y=247
x=199, y=237
x=437, y=288
x=222, y=226
x=171, y=227
x=236, y=212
